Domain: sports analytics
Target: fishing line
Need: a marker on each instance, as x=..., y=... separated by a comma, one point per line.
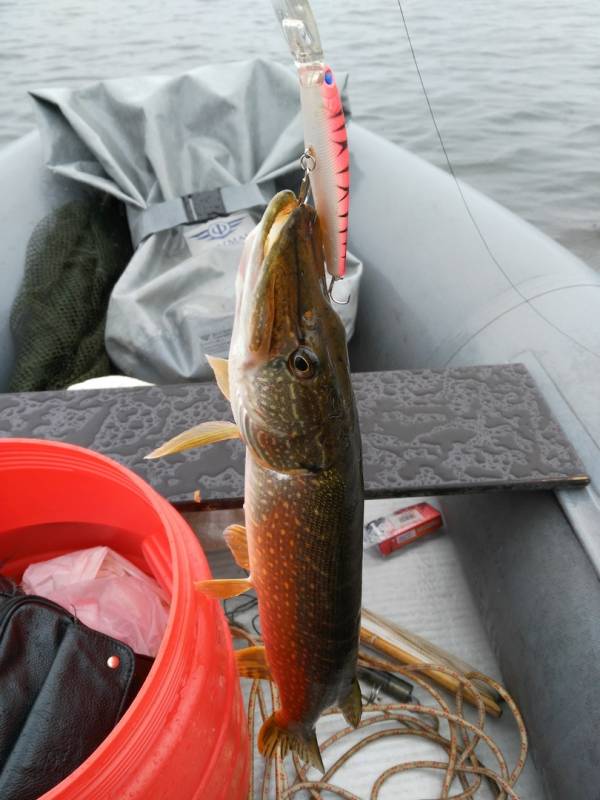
x=470, y=213
x=233, y=614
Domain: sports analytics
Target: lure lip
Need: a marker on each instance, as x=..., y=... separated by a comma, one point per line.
x=300, y=31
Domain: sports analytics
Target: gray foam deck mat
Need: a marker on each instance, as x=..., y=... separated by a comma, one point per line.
x=424, y=432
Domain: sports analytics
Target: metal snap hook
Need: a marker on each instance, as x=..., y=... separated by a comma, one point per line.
x=308, y=162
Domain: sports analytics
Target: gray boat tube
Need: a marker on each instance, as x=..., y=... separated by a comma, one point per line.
x=434, y=294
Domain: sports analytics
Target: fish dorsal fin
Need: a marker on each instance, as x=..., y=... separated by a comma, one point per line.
x=351, y=704
x=275, y=733
x=224, y=589
x=235, y=536
x=252, y=663
x=220, y=366
x=198, y=436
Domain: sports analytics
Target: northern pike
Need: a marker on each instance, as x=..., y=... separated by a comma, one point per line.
x=288, y=381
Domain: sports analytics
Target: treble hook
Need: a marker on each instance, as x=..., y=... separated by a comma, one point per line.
x=330, y=293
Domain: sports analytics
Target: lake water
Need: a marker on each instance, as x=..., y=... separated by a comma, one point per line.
x=515, y=85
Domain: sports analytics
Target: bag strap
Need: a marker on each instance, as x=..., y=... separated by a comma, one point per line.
x=195, y=207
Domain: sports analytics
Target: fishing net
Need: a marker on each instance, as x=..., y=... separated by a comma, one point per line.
x=73, y=260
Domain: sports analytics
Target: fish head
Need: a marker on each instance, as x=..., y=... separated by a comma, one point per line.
x=289, y=375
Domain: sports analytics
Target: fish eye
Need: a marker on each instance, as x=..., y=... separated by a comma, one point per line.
x=303, y=363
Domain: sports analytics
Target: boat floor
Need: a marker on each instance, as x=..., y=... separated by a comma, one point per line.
x=423, y=589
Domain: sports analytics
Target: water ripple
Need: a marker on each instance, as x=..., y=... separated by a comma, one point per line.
x=514, y=85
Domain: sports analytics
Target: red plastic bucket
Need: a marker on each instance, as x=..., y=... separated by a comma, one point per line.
x=185, y=734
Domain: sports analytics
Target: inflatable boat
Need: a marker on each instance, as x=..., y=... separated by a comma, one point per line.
x=454, y=279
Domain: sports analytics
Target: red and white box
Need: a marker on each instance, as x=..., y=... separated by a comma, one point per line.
x=402, y=527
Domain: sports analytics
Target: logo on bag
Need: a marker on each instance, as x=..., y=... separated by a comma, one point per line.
x=219, y=230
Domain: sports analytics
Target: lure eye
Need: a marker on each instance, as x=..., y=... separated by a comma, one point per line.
x=303, y=363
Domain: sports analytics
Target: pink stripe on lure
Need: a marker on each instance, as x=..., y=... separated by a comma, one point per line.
x=326, y=138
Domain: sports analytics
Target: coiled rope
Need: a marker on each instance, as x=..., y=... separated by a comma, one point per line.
x=462, y=763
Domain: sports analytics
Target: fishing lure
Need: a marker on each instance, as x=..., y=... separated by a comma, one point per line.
x=326, y=155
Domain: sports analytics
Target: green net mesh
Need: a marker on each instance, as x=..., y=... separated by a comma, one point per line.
x=74, y=257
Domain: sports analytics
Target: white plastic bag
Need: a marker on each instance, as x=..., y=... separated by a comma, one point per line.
x=107, y=593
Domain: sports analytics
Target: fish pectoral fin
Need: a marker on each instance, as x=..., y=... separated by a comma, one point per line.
x=224, y=589
x=351, y=704
x=274, y=733
x=220, y=366
x=235, y=536
x=198, y=436
x=252, y=663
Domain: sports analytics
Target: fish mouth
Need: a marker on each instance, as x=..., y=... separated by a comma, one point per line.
x=276, y=216
x=285, y=286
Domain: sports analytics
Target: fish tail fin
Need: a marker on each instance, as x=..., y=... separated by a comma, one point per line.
x=351, y=704
x=274, y=732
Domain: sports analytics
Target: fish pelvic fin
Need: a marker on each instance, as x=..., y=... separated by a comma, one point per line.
x=235, y=536
x=198, y=436
x=220, y=366
x=351, y=704
x=251, y=662
x=274, y=732
x=224, y=589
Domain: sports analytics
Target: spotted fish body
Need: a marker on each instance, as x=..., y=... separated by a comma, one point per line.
x=292, y=399
x=306, y=569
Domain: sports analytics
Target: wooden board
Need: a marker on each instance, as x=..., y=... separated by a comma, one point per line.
x=424, y=432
